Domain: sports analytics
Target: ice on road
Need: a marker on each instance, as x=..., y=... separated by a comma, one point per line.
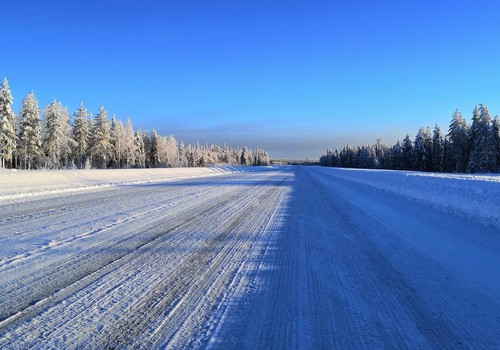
x=273, y=258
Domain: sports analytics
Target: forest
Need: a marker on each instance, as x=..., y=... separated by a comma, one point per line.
x=53, y=140
x=473, y=148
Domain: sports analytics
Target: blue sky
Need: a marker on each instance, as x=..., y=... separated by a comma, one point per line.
x=294, y=77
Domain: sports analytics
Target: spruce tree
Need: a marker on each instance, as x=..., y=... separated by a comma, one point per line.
x=244, y=157
x=420, y=150
x=117, y=141
x=30, y=137
x=397, y=156
x=495, y=137
x=483, y=157
x=139, y=150
x=458, y=135
x=129, y=146
x=101, y=146
x=408, y=156
x=437, y=150
x=53, y=142
x=448, y=160
x=154, y=157
x=183, y=161
x=81, y=135
x=8, y=138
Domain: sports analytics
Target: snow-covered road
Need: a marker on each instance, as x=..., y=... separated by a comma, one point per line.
x=282, y=258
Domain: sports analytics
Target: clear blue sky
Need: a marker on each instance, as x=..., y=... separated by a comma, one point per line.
x=292, y=76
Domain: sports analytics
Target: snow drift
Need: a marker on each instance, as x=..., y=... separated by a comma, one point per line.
x=476, y=197
x=23, y=183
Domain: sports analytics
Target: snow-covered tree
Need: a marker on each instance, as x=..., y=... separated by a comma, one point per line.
x=183, y=161
x=8, y=138
x=53, y=138
x=381, y=152
x=458, y=135
x=448, y=160
x=101, y=147
x=420, y=150
x=437, y=149
x=153, y=155
x=30, y=136
x=495, y=137
x=129, y=145
x=118, y=141
x=246, y=157
x=397, y=156
x=483, y=155
x=139, y=150
x=408, y=157
x=81, y=135
x=261, y=157
x=475, y=148
x=168, y=151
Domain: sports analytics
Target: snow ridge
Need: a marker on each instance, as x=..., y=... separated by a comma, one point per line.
x=475, y=197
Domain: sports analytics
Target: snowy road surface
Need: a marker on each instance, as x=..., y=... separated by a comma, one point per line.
x=280, y=258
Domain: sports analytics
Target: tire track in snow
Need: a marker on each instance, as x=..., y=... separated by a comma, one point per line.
x=172, y=295
x=83, y=269
x=38, y=313
x=62, y=273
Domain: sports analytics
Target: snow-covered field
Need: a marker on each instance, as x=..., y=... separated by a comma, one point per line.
x=283, y=258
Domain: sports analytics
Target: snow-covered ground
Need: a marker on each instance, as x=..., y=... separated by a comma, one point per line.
x=476, y=197
x=284, y=257
x=18, y=184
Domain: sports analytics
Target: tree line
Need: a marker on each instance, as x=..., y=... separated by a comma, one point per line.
x=50, y=140
x=473, y=148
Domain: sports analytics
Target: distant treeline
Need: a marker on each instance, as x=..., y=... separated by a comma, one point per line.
x=53, y=142
x=473, y=148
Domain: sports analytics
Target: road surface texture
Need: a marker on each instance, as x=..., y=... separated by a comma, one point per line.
x=277, y=258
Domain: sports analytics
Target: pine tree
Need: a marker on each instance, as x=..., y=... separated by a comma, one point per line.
x=183, y=161
x=101, y=147
x=408, y=157
x=437, y=150
x=420, y=150
x=397, y=156
x=154, y=157
x=168, y=151
x=118, y=141
x=244, y=157
x=448, y=161
x=483, y=157
x=139, y=150
x=30, y=136
x=458, y=135
x=57, y=135
x=381, y=151
x=260, y=157
x=53, y=134
x=68, y=142
x=81, y=135
x=8, y=137
x=129, y=146
x=495, y=137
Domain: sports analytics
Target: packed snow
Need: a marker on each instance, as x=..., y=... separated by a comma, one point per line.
x=263, y=257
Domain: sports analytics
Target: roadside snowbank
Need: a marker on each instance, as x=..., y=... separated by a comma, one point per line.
x=22, y=183
x=475, y=197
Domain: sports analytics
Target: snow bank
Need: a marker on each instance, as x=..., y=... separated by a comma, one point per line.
x=22, y=183
x=475, y=197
